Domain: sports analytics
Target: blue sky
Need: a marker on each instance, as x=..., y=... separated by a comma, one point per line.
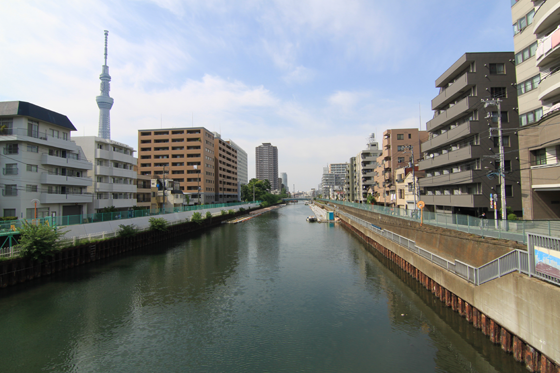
x=314, y=77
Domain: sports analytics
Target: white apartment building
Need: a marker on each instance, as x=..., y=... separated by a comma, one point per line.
x=242, y=167
x=43, y=171
x=113, y=174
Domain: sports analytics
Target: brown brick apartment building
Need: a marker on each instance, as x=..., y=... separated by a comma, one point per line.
x=185, y=155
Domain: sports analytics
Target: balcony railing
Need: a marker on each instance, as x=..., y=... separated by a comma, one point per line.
x=9, y=192
x=10, y=171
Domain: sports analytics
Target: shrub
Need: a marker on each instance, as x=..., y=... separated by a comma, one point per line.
x=231, y=212
x=39, y=241
x=265, y=204
x=224, y=212
x=197, y=218
x=8, y=218
x=241, y=209
x=158, y=224
x=208, y=215
x=512, y=217
x=127, y=230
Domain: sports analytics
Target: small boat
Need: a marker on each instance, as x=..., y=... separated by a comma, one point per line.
x=311, y=219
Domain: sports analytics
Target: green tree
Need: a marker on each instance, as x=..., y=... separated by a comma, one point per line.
x=158, y=224
x=39, y=241
x=371, y=199
x=127, y=230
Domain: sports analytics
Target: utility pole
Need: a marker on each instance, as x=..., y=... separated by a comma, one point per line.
x=411, y=148
x=497, y=102
x=164, y=189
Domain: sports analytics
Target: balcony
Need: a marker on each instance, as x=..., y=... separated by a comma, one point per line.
x=116, y=188
x=464, y=83
x=546, y=17
x=455, y=178
x=115, y=156
x=459, y=200
x=545, y=176
x=549, y=50
x=462, y=154
x=550, y=86
x=47, y=178
x=53, y=160
x=455, y=134
x=65, y=198
x=36, y=137
x=454, y=112
x=113, y=171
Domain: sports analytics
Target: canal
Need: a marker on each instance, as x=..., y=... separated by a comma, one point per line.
x=273, y=294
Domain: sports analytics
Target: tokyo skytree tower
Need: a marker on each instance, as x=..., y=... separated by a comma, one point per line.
x=104, y=102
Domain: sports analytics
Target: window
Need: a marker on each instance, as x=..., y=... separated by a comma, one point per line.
x=495, y=117
x=32, y=168
x=64, y=136
x=31, y=188
x=145, y=141
x=523, y=22
x=526, y=53
x=11, y=149
x=509, y=190
x=400, y=136
x=32, y=148
x=54, y=133
x=498, y=92
x=497, y=68
x=540, y=157
x=11, y=169
x=32, y=129
x=9, y=213
x=10, y=191
x=530, y=117
x=528, y=85
x=400, y=148
x=7, y=127
x=409, y=135
x=400, y=160
x=145, y=133
x=507, y=166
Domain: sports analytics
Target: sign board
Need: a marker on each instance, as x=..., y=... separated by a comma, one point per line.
x=421, y=204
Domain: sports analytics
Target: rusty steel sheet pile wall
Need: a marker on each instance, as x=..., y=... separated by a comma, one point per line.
x=521, y=314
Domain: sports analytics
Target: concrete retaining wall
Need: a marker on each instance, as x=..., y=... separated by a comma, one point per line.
x=521, y=314
x=141, y=222
x=447, y=243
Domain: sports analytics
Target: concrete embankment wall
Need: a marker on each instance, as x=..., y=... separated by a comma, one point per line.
x=521, y=314
x=18, y=270
x=143, y=222
x=447, y=243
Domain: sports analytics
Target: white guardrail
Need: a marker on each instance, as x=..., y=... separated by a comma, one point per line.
x=515, y=260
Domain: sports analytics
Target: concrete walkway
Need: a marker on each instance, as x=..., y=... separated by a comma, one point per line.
x=110, y=227
x=320, y=214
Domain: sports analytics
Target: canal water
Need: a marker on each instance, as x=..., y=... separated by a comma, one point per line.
x=273, y=294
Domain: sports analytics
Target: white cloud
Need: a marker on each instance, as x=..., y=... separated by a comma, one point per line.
x=347, y=100
x=299, y=75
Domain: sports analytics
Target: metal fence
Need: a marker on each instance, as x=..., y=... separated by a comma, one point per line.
x=515, y=230
x=514, y=261
x=109, y=216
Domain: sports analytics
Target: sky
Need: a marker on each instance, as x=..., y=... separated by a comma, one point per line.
x=313, y=77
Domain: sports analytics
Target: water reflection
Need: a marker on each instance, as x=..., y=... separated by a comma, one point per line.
x=272, y=294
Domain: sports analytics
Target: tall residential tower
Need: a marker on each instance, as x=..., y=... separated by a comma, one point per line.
x=267, y=163
x=104, y=102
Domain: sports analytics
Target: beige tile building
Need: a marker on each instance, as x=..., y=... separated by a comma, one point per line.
x=185, y=155
x=397, y=145
x=536, y=27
